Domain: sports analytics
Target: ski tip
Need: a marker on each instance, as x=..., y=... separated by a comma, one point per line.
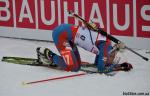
x=24, y=83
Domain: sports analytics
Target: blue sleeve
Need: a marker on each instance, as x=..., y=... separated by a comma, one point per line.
x=99, y=61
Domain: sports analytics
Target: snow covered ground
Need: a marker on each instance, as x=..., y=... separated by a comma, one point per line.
x=123, y=83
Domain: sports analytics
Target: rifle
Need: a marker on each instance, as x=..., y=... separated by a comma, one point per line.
x=104, y=33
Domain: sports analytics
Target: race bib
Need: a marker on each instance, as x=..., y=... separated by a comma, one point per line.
x=86, y=39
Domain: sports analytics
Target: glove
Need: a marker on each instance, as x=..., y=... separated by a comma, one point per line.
x=120, y=45
x=126, y=66
x=123, y=67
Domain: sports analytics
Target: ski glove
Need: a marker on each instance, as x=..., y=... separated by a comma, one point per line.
x=126, y=66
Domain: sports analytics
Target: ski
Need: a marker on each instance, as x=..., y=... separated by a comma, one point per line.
x=33, y=61
x=20, y=60
x=85, y=67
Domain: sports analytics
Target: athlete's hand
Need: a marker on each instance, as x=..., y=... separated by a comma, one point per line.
x=120, y=45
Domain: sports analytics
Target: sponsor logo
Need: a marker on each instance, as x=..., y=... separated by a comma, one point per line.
x=123, y=18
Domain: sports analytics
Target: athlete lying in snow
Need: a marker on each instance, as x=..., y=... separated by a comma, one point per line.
x=66, y=38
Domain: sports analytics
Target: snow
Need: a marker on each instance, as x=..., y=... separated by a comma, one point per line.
x=12, y=75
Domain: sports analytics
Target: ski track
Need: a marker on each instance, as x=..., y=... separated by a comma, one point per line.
x=12, y=75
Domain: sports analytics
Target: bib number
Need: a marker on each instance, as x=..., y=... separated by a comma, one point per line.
x=66, y=54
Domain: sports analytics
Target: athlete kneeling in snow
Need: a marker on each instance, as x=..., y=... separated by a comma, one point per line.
x=67, y=36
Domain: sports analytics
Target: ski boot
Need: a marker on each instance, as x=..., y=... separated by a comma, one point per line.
x=45, y=57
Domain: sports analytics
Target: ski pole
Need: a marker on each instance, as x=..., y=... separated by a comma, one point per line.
x=146, y=59
x=52, y=79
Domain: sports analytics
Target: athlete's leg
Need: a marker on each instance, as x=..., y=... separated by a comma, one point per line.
x=77, y=55
x=69, y=59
